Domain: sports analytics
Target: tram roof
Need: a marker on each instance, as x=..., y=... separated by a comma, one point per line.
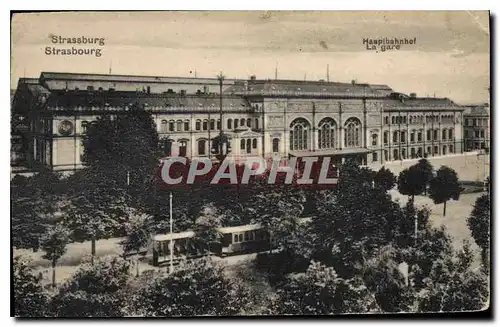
x=238, y=229
x=174, y=236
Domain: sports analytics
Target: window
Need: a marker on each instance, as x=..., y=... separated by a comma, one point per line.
x=235, y=238
x=374, y=139
x=436, y=135
x=374, y=157
x=395, y=137
x=171, y=126
x=218, y=124
x=202, y=145
x=419, y=136
x=326, y=133
x=249, y=145
x=466, y=133
x=164, y=126
x=403, y=137
x=386, y=155
x=393, y=120
x=467, y=121
x=242, y=144
x=167, y=147
x=256, y=123
x=229, y=123
x=249, y=122
x=242, y=122
x=386, y=120
x=186, y=125
x=429, y=150
x=474, y=122
x=403, y=154
x=179, y=125
x=482, y=134
x=254, y=143
x=205, y=125
x=212, y=124
x=85, y=125
x=451, y=148
x=444, y=150
x=182, y=148
x=412, y=137
x=476, y=134
x=450, y=134
x=412, y=153
x=395, y=154
x=352, y=133
x=443, y=134
x=198, y=125
x=429, y=135
x=276, y=145
x=386, y=138
x=299, y=134
x=236, y=123
x=436, y=150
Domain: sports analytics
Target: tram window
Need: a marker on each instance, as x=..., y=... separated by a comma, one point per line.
x=241, y=237
x=235, y=238
x=247, y=236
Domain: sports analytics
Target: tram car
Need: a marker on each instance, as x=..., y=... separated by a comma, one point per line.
x=244, y=239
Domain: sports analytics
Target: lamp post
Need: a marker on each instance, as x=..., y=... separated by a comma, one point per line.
x=171, y=239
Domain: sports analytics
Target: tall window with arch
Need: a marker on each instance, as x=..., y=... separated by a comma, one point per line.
x=85, y=126
x=256, y=126
x=164, y=126
x=326, y=133
x=299, y=134
x=374, y=139
x=202, y=146
x=352, y=133
x=229, y=123
x=276, y=145
x=198, y=125
x=182, y=148
x=179, y=125
x=171, y=126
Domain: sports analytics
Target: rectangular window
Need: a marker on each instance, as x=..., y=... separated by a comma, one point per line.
x=198, y=125
x=171, y=126
x=419, y=136
x=374, y=156
x=186, y=126
x=205, y=125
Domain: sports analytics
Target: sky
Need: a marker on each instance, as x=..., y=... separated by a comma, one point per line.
x=451, y=56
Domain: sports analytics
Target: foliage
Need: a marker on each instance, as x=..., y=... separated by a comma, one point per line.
x=427, y=171
x=411, y=181
x=196, y=289
x=444, y=187
x=385, y=179
x=97, y=290
x=453, y=285
x=320, y=291
x=30, y=298
x=54, y=243
x=206, y=226
x=479, y=223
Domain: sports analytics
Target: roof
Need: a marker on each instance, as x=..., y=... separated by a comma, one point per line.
x=239, y=229
x=421, y=103
x=130, y=78
x=476, y=111
x=174, y=236
x=86, y=99
x=307, y=87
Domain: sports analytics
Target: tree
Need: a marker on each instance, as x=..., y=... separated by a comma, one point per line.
x=54, y=243
x=444, y=187
x=199, y=288
x=411, y=182
x=427, y=172
x=206, y=227
x=138, y=234
x=385, y=179
x=96, y=208
x=30, y=299
x=95, y=290
x=320, y=291
x=453, y=285
x=479, y=225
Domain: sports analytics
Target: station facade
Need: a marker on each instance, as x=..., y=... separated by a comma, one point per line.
x=371, y=123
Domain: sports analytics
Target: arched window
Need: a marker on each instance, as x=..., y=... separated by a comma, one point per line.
x=229, y=123
x=299, y=134
x=429, y=135
x=450, y=134
x=182, y=148
x=436, y=135
x=85, y=125
x=403, y=137
x=242, y=122
x=451, y=148
x=249, y=122
x=276, y=145
x=171, y=125
x=412, y=153
x=256, y=123
x=212, y=124
x=443, y=132
x=205, y=125
x=412, y=136
x=326, y=133
x=403, y=153
x=242, y=144
x=198, y=125
x=218, y=124
x=352, y=133
x=254, y=143
x=179, y=125
x=386, y=137
x=186, y=125
x=249, y=145
x=393, y=120
x=374, y=139
x=202, y=146
x=444, y=150
x=163, y=126
x=236, y=121
x=395, y=137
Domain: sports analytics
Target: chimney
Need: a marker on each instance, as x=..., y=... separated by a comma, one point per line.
x=353, y=82
x=253, y=78
x=413, y=95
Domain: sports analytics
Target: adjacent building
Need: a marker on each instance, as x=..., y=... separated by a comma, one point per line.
x=477, y=127
x=368, y=122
